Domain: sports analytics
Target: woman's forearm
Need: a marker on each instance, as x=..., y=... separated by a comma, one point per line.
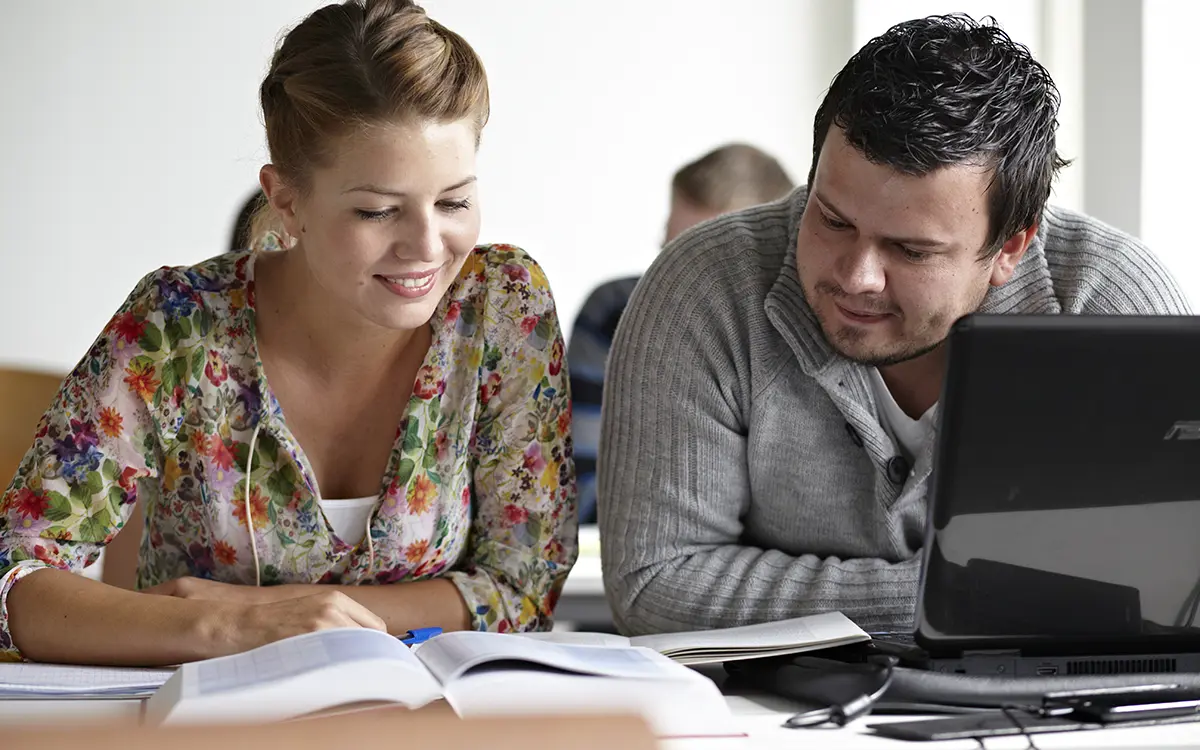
x=404, y=606
x=59, y=617
x=56, y=616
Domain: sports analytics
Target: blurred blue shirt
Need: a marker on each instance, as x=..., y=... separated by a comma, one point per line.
x=587, y=353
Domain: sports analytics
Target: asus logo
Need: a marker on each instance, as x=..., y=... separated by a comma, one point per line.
x=1187, y=430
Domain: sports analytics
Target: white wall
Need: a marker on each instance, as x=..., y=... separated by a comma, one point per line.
x=130, y=138
x=131, y=133
x=1020, y=18
x=1113, y=111
x=1060, y=49
x=1052, y=29
x=1171, y=159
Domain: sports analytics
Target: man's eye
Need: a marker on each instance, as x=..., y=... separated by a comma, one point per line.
x=833, y=223
x=913, y=255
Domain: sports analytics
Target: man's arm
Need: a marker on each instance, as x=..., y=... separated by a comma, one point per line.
x=1100, y=270
x=674, y=481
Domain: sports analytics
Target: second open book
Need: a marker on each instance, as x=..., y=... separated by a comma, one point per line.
x=730, y=644
x=481, y=674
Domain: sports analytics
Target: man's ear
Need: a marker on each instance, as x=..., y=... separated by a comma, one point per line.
x=1005, y=261
x=283, y=199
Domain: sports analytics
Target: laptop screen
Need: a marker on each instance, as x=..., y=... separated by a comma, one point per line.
x=1065, y=501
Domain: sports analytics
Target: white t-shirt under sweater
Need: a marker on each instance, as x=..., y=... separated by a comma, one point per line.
x=907, y=433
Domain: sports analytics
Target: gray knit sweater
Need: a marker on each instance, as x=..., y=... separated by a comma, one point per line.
x=744, y=473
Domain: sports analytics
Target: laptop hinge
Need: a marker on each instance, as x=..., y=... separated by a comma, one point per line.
x=992, y=652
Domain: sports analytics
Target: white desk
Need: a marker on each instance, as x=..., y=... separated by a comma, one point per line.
x=66, y=711
x=760, y=716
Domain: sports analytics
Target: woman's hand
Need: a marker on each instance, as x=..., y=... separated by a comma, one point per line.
x=259, y=624
x=247, y=617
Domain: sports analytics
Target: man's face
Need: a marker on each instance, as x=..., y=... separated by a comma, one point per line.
x=890, y=261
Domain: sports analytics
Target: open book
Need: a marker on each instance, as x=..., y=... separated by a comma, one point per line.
x=478, y=674
x=730, y=644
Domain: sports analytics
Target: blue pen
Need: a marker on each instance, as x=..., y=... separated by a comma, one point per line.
x=419, y=635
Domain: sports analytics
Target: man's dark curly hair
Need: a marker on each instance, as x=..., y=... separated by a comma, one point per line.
x=951, y=90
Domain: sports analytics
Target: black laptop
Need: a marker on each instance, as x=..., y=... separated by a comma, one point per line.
x=1064, y=509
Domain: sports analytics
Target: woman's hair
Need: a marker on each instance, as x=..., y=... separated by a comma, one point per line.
x=361, y=63
x=241, y=238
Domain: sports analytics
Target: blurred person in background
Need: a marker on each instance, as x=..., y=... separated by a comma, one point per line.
x=729, y=178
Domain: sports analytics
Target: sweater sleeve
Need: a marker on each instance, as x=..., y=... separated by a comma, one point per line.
x=674, y=480
x=1100, y=270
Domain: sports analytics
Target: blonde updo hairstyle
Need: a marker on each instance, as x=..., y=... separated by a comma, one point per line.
x=357, y=64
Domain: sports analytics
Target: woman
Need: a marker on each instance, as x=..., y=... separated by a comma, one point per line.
x=375, y=401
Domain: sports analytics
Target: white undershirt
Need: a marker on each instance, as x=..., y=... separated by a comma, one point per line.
x=349, y=517
x=908, y=433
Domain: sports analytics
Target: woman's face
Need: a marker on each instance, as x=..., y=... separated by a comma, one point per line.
x=384, y=228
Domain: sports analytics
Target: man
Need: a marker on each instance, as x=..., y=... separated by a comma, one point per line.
x=729, y=178
x=767, y=435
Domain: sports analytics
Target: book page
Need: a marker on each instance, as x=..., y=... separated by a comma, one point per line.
x=452, y=654
x=62, y=680
x=295, y=677
x=580, y=638
x=688, y=704
x=294, y=656
x=783, y=636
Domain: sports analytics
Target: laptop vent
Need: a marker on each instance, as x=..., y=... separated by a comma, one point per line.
x=1121, y=666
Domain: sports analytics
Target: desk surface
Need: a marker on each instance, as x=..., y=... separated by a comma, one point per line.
x=760, y=716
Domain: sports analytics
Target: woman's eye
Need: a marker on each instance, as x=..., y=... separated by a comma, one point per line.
x=375, y=215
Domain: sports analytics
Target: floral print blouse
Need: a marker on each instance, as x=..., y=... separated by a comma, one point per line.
x=480, y=485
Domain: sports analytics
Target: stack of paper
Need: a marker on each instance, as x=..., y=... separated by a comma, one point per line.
x=54, y=681
x=793, y=636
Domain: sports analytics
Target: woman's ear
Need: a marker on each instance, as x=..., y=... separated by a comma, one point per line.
x=284, y=201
